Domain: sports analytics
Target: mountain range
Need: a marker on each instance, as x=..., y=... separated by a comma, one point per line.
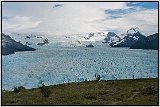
x=132, y=39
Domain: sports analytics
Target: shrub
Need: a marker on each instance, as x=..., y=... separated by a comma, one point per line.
x=18, y=89
x=85, y=80
x=148, y=91
x=45, y=91
x=97, y=76
x=89, y=96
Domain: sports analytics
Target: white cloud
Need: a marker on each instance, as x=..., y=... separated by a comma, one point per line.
x=72, y=17
x=77, y=17
x=18, y=23
x=146, y=20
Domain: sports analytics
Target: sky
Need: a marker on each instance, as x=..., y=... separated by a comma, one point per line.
x=61, y=18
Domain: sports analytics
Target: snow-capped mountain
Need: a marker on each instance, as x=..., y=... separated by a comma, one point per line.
x=94, y=37
x=68, y=40
x=131, y=37
x=29, y=38
x=132, y=30
x=83, y=39
x=111, y=38
x=32, y=38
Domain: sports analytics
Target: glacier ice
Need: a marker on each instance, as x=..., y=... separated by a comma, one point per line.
x=57, y=65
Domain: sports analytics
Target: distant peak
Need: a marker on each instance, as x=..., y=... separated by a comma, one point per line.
x=133, y=30
x=111, y=34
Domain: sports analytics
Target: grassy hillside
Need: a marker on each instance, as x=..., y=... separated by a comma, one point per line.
x=112, y=92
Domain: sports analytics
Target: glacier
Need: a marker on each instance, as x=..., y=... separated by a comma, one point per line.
x=56, y=64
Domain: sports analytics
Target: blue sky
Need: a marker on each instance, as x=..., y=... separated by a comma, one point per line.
x=84, y=17
x=147, y=5
x=143, y=5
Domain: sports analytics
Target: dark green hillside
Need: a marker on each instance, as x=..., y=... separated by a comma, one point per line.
x=113, y=92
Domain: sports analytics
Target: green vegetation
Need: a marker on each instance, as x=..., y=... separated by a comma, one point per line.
x=112, y=92
x=45, y=91
x=18, y=89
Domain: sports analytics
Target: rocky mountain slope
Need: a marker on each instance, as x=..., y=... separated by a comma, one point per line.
x=150, y=42
x=10, y=46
